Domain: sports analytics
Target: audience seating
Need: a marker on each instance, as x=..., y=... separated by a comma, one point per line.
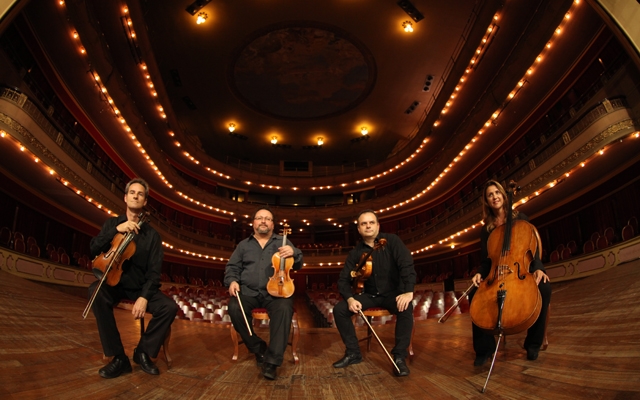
x=602, y=243
x=260, y=314
x=595, y=236
x=573, y=247
x=627, y=232
x=54, y=257
x=34, y=250
x=19, y=246
x=554, y=257
x=610, y=235
x=566, y=253
x=588, y=247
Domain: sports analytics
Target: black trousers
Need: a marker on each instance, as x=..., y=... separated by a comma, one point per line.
x=280, y=312
x=484, y=343
x=162, y=308
x=404, y=322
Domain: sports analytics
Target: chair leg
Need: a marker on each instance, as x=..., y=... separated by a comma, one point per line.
x=296, y=337
x=234, y=340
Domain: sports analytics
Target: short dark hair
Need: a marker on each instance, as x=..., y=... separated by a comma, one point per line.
x=142, y=182
x=266, y=208
x=368, y=210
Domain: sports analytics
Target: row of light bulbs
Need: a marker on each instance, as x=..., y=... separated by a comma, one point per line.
x=494, y=116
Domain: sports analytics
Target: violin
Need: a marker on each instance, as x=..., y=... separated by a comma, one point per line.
x=107, y=266
x=281, y=284
x=365, y=267
x=508, y=301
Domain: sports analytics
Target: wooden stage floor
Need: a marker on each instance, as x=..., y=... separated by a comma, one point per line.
x=48, y=351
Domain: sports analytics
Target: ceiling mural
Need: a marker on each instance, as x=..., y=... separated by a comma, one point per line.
x=302, y=71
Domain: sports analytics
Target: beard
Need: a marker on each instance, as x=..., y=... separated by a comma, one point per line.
x=262, y=229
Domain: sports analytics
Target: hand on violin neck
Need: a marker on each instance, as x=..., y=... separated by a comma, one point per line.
x=127, y=226
x=285, y=251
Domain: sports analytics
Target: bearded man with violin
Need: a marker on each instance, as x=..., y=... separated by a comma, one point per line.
x=495, y=209
x=139, y=282
x=390, y=286
x=247, y=275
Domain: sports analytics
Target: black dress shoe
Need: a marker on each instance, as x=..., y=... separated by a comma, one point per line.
x=260, y=354
x=269, y=371
x=402, y=366
x=118, y=366
x=145, y=362
x=347, y=360
x=480, y=360
x=532, y=354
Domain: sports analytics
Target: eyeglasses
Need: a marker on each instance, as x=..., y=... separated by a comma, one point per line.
x=266, y=219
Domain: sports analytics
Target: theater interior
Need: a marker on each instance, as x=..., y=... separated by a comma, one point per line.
x=319, y=110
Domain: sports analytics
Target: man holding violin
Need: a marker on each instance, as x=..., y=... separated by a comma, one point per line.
x=139, y=282
x=247, y=274
x=389, y=286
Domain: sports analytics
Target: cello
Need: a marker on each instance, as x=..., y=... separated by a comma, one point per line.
x=281, y=284
x=108, y=265
x=508, y=301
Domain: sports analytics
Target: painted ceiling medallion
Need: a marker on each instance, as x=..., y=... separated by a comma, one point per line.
x=302, y=71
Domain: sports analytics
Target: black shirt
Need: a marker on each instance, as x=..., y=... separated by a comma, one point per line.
x=250, y=265
x=141, y=273
x=393, y=270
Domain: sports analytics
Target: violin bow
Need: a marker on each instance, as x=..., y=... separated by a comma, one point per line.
x=243, y=314
x=446, y=315
x=379, y=341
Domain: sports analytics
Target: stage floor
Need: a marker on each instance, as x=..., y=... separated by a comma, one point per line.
x=48, y=351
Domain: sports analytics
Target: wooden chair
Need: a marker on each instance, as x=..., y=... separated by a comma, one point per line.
x=378, y=312
x=554, y=257
x=566, y=253
x=261, y=314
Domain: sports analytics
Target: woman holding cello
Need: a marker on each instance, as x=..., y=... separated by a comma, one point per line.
x=496, y=211
x=130, y=253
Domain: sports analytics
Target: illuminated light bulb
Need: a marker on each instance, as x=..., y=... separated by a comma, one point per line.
x=202, y=17
x=232, y=127
x=567, y=15
x=364, y=130
x=407, y=26
x=539, y=58
x=601, y=152
x=582, y=164
x=558, y=31
x=274, y=139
